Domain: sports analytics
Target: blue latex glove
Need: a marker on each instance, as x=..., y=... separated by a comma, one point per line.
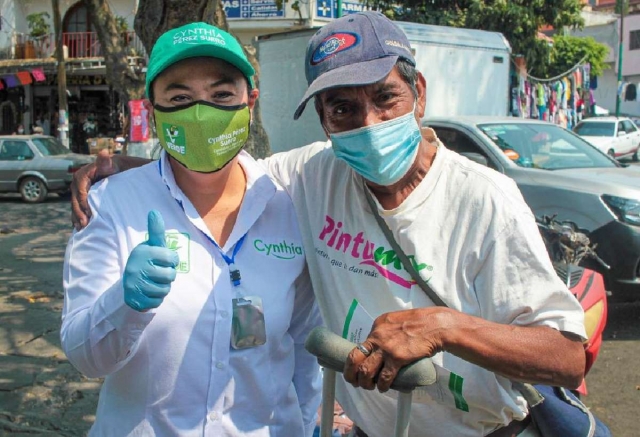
x=150, y=269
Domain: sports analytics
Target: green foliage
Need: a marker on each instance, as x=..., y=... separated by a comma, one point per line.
x=518, y=20
x=38, y=25
x=622, y=7
x=121, y=24
x=569, y=50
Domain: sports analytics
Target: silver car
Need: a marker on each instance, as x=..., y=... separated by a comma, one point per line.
x=34, y=165
x=560, y=173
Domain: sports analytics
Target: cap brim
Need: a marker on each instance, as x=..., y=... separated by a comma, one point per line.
x=362, y=73
x=207, y=51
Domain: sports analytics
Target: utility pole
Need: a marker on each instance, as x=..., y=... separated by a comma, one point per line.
x=63, y=118
x=621, y=10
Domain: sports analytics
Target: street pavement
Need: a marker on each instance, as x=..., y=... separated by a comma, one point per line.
x=41, y=394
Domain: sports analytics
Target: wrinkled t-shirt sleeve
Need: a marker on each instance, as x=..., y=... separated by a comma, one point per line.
x=518, y=285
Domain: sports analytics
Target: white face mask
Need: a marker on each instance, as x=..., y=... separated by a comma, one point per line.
x=20, y=131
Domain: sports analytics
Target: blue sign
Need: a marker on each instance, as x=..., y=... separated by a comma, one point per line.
x=353, y=7
x=329, y=8
x=248, y=9
x=324, y=8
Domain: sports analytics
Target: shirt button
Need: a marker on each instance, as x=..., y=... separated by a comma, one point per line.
x=224, y=314
x=213, y=416
x=220, y=365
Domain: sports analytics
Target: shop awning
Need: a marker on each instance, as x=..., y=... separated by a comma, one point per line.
x=10, y=80
x=24, y=77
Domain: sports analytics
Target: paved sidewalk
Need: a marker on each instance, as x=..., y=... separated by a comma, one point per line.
x=41, y=394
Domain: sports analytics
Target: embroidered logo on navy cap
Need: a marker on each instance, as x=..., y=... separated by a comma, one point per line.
x=333, y=44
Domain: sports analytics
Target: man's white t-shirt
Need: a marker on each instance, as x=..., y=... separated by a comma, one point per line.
x=470, y=234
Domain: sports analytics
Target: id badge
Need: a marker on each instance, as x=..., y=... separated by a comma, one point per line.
x=247, y=327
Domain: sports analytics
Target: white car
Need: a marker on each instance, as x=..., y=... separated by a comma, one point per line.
x=617, y=137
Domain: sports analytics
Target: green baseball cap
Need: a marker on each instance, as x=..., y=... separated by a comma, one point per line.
x=194, y=40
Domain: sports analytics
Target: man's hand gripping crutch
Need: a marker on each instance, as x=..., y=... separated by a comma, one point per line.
x=332, y=352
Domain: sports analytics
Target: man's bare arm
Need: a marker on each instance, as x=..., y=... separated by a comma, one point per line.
x=104, y=166
x=535, y=354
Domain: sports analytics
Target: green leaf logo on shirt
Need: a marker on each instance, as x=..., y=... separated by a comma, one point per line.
x=179, y=242
x=172, y=242
x=175, y=137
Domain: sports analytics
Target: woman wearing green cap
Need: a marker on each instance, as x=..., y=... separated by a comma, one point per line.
x=188, y=291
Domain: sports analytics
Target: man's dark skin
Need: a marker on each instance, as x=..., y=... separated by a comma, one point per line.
x=104, y=166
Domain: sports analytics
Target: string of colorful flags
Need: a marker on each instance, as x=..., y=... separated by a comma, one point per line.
x=22, y=78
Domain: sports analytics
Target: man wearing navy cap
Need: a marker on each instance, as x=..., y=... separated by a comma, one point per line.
x=465, y=228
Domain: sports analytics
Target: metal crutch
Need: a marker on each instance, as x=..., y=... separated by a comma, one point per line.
x=332, y=351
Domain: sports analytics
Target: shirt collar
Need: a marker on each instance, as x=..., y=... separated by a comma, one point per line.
x=260, y=189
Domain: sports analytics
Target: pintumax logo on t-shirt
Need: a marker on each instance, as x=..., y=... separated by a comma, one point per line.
x=385, y=261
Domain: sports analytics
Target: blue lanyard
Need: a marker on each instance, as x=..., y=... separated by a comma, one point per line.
x=234, y=273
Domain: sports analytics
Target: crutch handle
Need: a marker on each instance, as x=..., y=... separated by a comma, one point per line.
x=332, y=351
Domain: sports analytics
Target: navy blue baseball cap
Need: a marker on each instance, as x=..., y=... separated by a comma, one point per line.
x=354, y=50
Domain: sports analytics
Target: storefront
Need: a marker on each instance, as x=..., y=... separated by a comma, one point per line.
x=93, y=107
x=17, y=80
x=29, y=97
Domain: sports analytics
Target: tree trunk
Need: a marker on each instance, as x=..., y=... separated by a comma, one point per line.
x=124, y=79
x=62, y=134
x=154, y=17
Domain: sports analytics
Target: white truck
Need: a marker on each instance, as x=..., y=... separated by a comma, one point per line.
x=467, y=73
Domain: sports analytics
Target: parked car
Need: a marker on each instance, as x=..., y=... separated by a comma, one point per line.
x=617, y=137
x=34, y=165
x=560, y=173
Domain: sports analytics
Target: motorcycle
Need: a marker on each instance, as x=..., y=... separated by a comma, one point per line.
x=568, y=247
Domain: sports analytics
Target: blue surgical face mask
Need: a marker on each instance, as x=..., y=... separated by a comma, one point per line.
x=382, y=153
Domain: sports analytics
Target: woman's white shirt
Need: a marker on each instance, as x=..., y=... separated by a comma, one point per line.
x=172, y=371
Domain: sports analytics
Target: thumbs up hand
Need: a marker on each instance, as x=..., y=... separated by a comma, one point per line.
x=150, y=269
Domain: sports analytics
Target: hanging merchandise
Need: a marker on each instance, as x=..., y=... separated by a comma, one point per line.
x=139, y=130
x=631, y=93
x=560, y=100
x=622, y=89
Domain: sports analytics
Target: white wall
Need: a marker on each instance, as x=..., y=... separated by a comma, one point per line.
x=605, y=95
x=630, y=58
x=124, y=8
x=608, y=34
x=8, y=9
